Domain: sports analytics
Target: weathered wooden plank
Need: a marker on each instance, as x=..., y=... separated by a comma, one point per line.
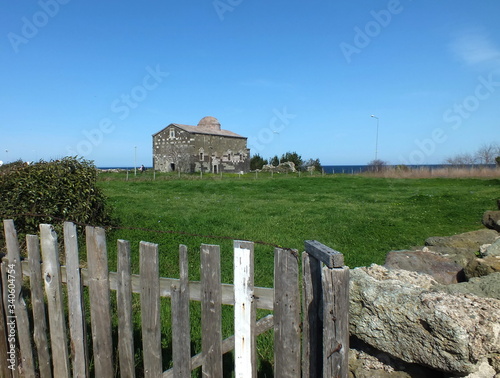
x=211, y=312
x=4, y=350
x=330, y=257
x=286, y=314
x=38, y=304
x=263, y=296
x=150, y=309
x=181, y=334
x=124, y=310
x=312, y=323
x=15, y=278
x=244, y=310
x=100, y=313
x=335, y=322
x=11, y=359
x=53, y=290
x=262, y=325
x=77, y=329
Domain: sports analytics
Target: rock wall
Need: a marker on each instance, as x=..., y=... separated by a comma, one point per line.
x=436, y=307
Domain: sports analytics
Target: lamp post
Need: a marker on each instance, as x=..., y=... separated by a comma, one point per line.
x=376, y=138
x=135, y=160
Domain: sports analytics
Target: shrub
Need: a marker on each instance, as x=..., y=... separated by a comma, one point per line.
x=257, y=162
x=377, y=165
x=48, y=192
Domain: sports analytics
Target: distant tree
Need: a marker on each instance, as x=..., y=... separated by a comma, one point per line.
x=274, y=161
x=257, y=162
x=461, y=159
x=313, y=164
x=377, y=165
x=293, y=157
x=487, y=153
x=497, y=160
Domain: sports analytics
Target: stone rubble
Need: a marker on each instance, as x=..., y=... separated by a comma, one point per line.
x=433, y=311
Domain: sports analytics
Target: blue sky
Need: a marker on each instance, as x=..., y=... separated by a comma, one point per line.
x=97, y=79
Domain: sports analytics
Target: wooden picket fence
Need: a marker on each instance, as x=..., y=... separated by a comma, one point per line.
x=309, y=341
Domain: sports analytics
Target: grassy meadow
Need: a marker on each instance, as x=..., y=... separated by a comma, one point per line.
x=362, y=217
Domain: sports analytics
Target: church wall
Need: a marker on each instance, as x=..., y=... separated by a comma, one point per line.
x=176, y=149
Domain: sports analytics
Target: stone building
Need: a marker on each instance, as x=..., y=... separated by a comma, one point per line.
x=205, y=147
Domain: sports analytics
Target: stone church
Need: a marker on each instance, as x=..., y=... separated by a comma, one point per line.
x=205, y=147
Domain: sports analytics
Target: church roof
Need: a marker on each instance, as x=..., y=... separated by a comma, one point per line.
x=207, y=126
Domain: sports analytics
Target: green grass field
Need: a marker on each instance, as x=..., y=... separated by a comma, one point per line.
x=362, y=217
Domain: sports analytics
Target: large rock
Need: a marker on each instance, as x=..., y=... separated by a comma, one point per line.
x=483, y=267
x=451, y=333
x=441, y=268
x=491, y=219
x=491, y=249
x=485, y=287
x=461, y=256
x=470, y=240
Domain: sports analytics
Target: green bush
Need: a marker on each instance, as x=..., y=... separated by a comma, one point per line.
x=49, y=192
x=257, y=162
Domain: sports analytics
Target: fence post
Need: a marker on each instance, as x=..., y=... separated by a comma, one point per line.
x=37, y=300
x=211, y=312
x=335, y=322
x=286, y=314
x=312, y=327
x=53, y=289
x=77, y=326
x=124, y=310
x=334, y=307
x=15, y=277
x=150, y=309
x=100, y=311
x=4, y=363
x=181, y=334
x=244, y=310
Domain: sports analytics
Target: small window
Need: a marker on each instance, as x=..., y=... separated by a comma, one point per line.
x=202, y=156
x=172, y=133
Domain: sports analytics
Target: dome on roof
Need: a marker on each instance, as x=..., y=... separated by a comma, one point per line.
x=209, y=123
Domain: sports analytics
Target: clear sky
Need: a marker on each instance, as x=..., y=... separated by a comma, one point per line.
x=98, y=78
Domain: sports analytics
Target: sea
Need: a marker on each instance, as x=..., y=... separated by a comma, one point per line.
x=354, y=169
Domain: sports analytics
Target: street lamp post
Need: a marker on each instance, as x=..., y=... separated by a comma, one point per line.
x=376, y=138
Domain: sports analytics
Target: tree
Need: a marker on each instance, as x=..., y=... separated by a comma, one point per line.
x=312, y=164
x=257, y=162
x=293, y=157
x=487, y=153
x=377, y=165
x=497, y=160
x=274, y=161
x=461, y=159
